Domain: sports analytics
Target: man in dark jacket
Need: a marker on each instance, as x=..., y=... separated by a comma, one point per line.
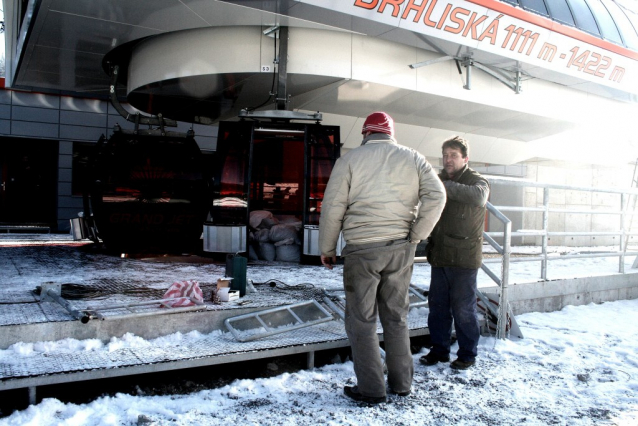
x=455, y=254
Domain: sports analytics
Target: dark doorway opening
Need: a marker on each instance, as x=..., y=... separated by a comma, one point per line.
x=28, y=188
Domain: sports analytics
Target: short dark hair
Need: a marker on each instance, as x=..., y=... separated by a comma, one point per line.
x=459, y=143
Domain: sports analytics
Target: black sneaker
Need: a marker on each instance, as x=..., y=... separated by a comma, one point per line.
x=458, y=364
x=406, y=393
x=353, y=392
x=431, y=359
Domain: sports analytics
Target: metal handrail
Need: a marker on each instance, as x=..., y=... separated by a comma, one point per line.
x=545, y=234
x=503, y=282
x=529, y=183
x=505, y=250
x=536, y=233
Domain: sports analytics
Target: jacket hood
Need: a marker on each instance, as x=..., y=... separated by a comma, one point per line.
x=378, y=137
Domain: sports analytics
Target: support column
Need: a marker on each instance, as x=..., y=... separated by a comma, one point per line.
x=282, y=70
x=310, y=360
x=32, y=395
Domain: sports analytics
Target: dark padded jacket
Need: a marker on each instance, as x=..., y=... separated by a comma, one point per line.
x=457, y=238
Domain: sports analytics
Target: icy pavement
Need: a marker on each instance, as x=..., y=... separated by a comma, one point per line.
x=575, y=367
x=26, y=260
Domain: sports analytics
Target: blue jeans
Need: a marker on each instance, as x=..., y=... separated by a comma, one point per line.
x=452, y=297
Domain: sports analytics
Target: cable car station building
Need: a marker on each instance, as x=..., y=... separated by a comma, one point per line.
x=545, y=91
x=167, y=120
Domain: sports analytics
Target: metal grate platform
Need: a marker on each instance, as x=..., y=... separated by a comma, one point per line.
x=107, y=280
x=214, y=348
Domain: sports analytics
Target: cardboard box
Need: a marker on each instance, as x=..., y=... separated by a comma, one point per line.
x=228, y=295
x=223, y=283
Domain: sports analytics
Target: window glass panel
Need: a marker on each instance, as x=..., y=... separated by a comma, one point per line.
x=324, y=151
x=559, y=10
x=230, y=196
x=606, y=24
x=277, y=173
x=513, y=2
x=82, y=155
x=627, y=30
x=633, y=17
x=537, y=6
x=583, y=16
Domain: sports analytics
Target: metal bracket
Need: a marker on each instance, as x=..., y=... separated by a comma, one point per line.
x=421, y=300
x=512, y=326
x=280, y=115
x=52, y=292
x=134, y=118
x=509, y=80
x=513, y=82
x=49, y=290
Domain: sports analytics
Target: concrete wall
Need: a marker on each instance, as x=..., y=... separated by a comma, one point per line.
x=550, y=296
x=67, y=119
x=503, y=195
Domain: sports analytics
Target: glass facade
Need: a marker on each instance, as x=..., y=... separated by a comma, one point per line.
x=627, y=31
x=605, y=22
x=602, y=18
x=537, y=6
x=560, y=11
x=584, y=17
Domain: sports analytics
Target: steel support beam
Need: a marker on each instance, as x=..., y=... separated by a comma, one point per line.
x=282, y=70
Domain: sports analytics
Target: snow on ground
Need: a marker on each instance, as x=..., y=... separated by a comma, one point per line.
x=578, y=366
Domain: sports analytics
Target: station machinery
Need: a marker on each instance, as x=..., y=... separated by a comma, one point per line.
x=152, y=191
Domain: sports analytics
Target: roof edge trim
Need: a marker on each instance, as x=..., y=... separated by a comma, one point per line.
x=557, y=27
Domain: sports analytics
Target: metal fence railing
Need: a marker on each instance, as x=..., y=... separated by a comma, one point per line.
x=504, y=249
x=503, y=281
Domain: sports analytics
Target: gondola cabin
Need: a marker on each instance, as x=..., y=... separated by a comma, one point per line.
x=148, y=192
x=268, y=188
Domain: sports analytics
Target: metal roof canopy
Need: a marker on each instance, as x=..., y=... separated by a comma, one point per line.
x=62, y=44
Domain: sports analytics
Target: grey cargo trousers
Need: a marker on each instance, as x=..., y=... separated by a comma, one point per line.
x=376, y=278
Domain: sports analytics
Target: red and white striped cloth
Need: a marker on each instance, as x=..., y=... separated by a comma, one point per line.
x=187, y=292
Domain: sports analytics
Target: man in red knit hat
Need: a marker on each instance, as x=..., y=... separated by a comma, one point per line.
x=385, y=197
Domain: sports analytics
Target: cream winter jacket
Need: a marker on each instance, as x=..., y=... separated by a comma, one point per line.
x=380, y=191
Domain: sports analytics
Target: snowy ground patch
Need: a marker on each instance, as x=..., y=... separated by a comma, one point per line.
x=578, y=366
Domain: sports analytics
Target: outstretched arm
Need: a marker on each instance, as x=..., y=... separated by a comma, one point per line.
x=475, y=194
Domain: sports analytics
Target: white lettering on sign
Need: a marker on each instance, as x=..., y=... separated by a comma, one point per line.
x=488, y=25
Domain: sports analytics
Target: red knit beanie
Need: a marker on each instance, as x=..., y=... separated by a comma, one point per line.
x=379, y=122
